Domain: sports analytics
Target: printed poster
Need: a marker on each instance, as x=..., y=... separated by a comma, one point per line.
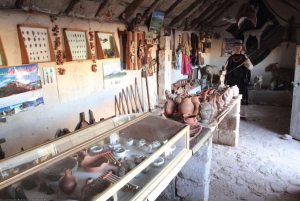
x=20, y=89
x=113, y=75
x=49, y=75
x=227, y=46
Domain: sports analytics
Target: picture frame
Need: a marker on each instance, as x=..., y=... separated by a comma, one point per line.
x=49, y=75
x=76, y=45
x=106, y=45
x=156, y=22
x=227, y=45
x=3, y=58
x=35, y=44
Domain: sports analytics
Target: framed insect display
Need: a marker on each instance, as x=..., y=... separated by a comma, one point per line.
x=35, y=44
x=106, y=45
x=3, y=59
x=76, y=45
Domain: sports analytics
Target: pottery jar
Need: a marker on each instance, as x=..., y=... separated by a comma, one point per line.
x=220, y=101
x=68, y=182
x=169, y=107
x=196, y=102
x=206, y=111
x=226, y=98
x=190, y=119
x=186, y=106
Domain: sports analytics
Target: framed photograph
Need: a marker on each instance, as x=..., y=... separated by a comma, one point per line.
x=76, y=45
x=114, y=75
x=106, y=45
x=49, y=75
x=227, y=46
x=156, y=22
x=35, y=44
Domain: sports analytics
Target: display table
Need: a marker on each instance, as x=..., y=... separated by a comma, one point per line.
x=195, y=173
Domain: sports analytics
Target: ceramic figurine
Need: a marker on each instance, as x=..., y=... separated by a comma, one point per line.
x=43, y=187
x=257, y=80
x=141, y=142
x=206, y=111
x=68, y=182
x=147, y=147
x=50, y=191
x=121, y=171
x=222, y=79
x=114, y=139
x=128, y=142
x=156, y=144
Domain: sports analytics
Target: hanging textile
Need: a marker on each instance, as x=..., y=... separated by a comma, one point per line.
x=186, y=67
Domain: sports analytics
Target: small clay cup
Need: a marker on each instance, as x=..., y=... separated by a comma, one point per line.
x=190, y=119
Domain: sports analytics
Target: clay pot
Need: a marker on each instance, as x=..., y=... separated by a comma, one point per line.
x=169, y=107
x=226, y=98
x=211, y=100
x=204, y=96
x=220, y=101
x=206, y=111
x=236, y=91
x=68, y=182
x=210, y=91
x=94, y=163
x=196, y=102
x=186, y=106
x=190, y=119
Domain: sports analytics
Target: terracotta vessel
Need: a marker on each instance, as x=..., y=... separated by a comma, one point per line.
x=190, y=119
x=196, y=102
x=206, y=111
x=94, y=163
x=212, y=101
x=220, y=101
x=68, y=182
x=169, y=107
x=204, y=95
x=186, y=106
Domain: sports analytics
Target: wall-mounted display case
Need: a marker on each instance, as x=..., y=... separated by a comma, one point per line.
x=122, y=158
x=35, y=44
x=106, y=45
x=76, y=44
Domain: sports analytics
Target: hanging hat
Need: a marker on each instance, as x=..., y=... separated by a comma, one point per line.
x=238, y=42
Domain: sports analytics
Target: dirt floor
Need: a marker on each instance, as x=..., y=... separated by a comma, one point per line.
x=263, y=167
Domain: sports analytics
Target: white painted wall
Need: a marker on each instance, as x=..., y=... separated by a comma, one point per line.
x=33, y=127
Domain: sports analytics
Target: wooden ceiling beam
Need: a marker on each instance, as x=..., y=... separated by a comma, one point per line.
x=132, y=7
x=19, y=3
x=216, y=15
x=204, y=9
x=71, y=6
x=103, y=9
x=172, y=7
x=148, y=12
x=291, y=5
x=184, y=13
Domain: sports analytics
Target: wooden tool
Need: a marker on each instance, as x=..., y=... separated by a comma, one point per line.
x=83, y=122
x=137, y=91
x=126, y=100
x=130, y=99
x=134, y=98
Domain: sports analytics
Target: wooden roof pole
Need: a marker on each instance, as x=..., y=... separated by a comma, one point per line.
x=103, y=9
x=172, y=7
x=132, y=7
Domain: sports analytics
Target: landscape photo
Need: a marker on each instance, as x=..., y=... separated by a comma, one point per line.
x=156, y=21
x=113, y=74
x=20, y=89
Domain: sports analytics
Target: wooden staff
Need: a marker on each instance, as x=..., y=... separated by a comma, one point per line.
x=137, y=90
x=134, y=98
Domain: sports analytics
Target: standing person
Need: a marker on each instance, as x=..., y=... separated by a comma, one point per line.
x=238, y=68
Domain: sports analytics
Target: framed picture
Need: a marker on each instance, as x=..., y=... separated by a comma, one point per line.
x=3, y=59
x=156, y=22
x=106, y=45
x=35, y=44
x=227, y=46
x=114, y=75
x=76, y=45
x=49, y=75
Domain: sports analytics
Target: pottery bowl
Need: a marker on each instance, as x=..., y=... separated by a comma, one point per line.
x=128, y=142
x=94, y=163
x=120, y=152
x=55, y=171
x=96, y=149
x=158, y=162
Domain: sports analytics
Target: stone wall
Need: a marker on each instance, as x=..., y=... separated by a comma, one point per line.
x=192, y=182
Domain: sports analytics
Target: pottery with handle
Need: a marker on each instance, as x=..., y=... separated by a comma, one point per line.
x=68, y=182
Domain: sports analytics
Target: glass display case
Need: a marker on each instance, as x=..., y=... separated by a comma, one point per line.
x=121, y=158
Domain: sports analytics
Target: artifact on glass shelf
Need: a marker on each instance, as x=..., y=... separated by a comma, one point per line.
x=131, y=51
x=96, y=149
x=68, y=182
x=155, y=144
x=93, y=163
x=95, y=187
x=122, y=170
x=135, y=22
x=206, y=111
x=114, y=139
x=141, y=142
x=120, y=152
x=87, y=182
x=141, y=52
x=147, y=147
x=50, y=191
x=43, y=187
x=158, y=162
x=128, y=142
